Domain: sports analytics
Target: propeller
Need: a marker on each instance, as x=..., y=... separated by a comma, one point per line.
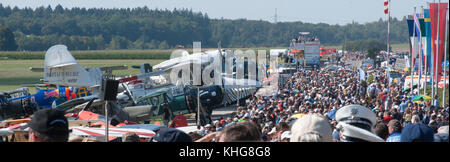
x=128, y=93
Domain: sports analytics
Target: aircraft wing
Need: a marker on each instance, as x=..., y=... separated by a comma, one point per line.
x=196, y=58
x=34, y=69
x=118, y=67
x=74, y=102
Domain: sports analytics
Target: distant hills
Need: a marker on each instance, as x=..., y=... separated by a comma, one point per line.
x=143, y=28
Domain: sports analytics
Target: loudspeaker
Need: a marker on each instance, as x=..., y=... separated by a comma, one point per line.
x=110, y=89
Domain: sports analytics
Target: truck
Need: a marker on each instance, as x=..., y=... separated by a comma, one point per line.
x=309, y=50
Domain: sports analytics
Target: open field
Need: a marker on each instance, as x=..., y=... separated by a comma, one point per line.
x=400, y=47
x=13, y=73
x=395, y=47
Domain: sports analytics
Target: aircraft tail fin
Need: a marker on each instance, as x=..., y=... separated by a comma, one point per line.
x=61, y=68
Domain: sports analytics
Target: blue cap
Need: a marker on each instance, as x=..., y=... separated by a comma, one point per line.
x=171, y=135
x=417, y=132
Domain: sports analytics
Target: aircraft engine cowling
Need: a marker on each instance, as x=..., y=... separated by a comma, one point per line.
x=209, y=96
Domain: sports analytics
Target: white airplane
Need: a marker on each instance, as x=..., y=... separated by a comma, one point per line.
x=61, y=68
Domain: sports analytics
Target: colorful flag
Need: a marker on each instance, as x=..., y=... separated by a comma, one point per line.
x=434, y=30
x=413, y=43
x=423, y=42
x=427, y=20
x=418, y=34
x=386, y=7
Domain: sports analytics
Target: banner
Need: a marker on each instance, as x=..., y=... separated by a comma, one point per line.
x=434, y=34
x=418, y=34
x=413, y=43
x=423, y=41
x=426, y=15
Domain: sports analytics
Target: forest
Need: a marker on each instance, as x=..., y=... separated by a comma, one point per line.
x=143, y=28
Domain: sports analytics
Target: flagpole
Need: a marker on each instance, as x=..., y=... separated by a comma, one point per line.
x=419, y=38
x=445, y=57
x=435, y=96
x=387, y=48
x=432, y=59
x=426, y=55
x=412, y=55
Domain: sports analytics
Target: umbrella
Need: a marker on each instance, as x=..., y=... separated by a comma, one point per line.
x=298, y=116
x=422, y=97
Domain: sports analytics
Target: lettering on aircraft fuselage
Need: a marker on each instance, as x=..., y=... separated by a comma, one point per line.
x=72, y=80
x=61, y=74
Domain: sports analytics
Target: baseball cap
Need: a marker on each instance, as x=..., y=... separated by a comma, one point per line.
x=171, y=135
x=286, y=135
x=50, y=122
x=417, y=132
x=273, y=131
x=311, y=124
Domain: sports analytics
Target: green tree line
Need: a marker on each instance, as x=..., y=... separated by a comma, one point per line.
x=143, y=28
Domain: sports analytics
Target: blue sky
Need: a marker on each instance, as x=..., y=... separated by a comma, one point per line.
x=312, y=11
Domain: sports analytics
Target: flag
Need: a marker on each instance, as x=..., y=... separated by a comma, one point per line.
x=413, y=43
x=418, y=34
x=423, y=42
x=386, y=7
x=427, y=20
x=434, y=30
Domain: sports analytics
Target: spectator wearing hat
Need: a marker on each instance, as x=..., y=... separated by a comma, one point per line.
x=171, y=135
x=280, y=128
x=208, y=128
x=272, y=135
x=395, y=131
x=48, y=125
x=442, y=134
x=386, y=117
x=356, y=124
x=417, y=132
x=311, y=128
x=285, y=136
x=218, y=125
